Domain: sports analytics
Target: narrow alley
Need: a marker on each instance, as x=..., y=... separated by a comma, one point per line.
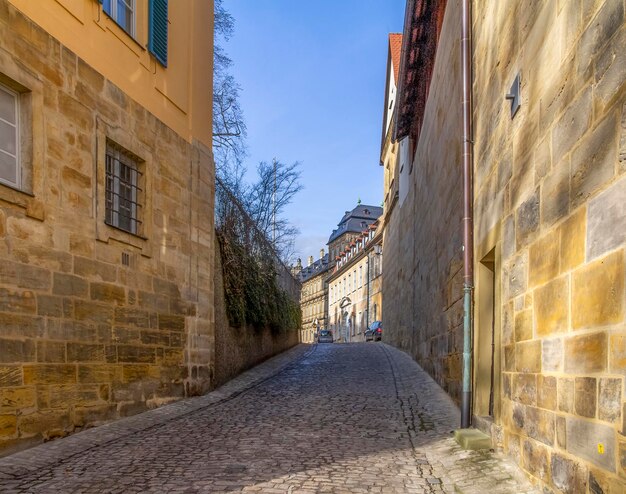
x=335, y=418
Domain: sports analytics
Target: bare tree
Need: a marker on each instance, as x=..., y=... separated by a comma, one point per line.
x=267, y=199
x=229, y=128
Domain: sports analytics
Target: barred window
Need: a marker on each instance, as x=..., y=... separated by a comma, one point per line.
x=123, y=193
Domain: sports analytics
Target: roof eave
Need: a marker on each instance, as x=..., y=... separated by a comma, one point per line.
x=422, y=22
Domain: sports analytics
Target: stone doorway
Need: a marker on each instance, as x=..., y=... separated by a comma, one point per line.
x=486, y=338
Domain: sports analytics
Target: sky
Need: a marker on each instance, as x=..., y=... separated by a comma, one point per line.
x=313, y=83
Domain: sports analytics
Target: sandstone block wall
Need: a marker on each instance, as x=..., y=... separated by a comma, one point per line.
x=550, y=188
x=422, y=262
x=96, y=323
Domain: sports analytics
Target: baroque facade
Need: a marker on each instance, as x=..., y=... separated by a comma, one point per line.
x=106, y=211
x=350, y=227
x=549, y=188
x=314, y=296
x=355, y=286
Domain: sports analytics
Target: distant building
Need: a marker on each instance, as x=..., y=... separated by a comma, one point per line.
x=351, y=226
x=295, y=270
x=314, y=296
x=394, y=156
x=354, y=294
x=396, y=172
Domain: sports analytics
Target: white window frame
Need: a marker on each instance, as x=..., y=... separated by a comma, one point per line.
x=18, y=165
x=130, y=5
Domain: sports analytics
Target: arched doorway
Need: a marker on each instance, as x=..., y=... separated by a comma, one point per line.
x=346, y=321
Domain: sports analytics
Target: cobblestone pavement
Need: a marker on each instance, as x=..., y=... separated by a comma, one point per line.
x=342, y=418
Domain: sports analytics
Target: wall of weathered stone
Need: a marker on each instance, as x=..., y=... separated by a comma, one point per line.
x=550, y=188
x=238, y=349
x=85, y=338
x=422, y=272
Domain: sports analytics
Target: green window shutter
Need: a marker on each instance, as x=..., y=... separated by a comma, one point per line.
x=157, y=39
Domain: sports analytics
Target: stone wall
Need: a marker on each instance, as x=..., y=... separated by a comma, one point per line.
x=96, y=323
x=238, y=349
x=550, y=188
x=422, y=260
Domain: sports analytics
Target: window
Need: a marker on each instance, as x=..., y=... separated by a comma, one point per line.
x=9, y=137
x=122, y=12
x=123, y=190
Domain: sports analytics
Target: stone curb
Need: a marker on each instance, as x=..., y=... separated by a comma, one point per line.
x=57, y=451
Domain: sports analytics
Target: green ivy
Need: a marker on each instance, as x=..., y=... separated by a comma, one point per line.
x=252, y=296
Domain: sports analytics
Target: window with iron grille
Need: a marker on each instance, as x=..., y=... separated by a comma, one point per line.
x=123, y=192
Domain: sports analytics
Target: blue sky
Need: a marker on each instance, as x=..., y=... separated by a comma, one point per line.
x=313, y=82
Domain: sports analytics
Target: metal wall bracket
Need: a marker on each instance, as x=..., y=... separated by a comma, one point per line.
x=515, y=94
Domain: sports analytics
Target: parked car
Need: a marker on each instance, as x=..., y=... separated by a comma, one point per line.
x=325, y=336
x=374, y=332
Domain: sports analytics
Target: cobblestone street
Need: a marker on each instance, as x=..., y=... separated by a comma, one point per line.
x=327, y=418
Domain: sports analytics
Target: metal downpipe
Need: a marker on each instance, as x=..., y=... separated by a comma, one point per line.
x=468, y=220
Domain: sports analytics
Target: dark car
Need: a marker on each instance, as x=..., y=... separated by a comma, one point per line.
x=374, y=332
x=325, y=336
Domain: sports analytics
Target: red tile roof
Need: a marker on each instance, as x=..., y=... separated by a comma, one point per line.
x=395, y=48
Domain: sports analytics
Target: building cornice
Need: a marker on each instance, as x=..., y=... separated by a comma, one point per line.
x=377, y=240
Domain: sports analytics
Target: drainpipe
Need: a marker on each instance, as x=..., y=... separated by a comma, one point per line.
x=468, y=220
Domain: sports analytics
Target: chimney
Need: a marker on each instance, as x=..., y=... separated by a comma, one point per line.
x=321, y=253
x=310, y=260
x=299, y=264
